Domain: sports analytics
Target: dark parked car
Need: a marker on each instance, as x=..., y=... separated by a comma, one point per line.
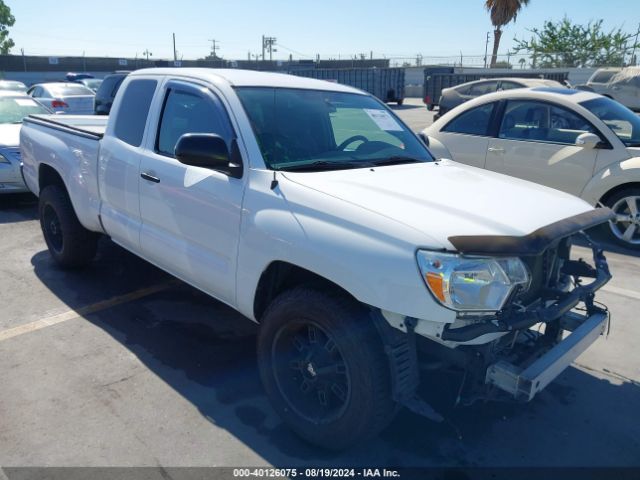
x=454, y=96
x=107, y=92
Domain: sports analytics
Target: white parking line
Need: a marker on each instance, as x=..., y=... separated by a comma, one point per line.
x=93, y=308
x=622, y=291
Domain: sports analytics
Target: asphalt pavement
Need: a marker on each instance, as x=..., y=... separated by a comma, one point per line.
x=120, y=364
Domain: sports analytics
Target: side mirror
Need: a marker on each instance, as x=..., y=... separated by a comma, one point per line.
x=588, y=140
x=208, y=150
x=423, y=136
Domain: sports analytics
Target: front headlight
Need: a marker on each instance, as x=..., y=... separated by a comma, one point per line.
x=480, y=284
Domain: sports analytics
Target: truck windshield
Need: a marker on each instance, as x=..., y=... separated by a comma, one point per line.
x=318, y=130
x=14, y=109
x=622, y=121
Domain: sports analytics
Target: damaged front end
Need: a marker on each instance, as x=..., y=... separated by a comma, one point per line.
x=517, y=351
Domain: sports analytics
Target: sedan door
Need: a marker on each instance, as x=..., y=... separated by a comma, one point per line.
x=536, y=142
x=190, y=215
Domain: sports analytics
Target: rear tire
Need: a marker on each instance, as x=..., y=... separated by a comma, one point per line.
x=323, y=367
x=625, y=230
x=430, y=107
x=70, y=244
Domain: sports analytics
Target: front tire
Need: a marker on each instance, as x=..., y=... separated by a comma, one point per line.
x=625, y=229
x=323, y=367
x=70, y=244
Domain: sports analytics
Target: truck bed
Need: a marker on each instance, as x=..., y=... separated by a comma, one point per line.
x=68, y=144
x=86, y=125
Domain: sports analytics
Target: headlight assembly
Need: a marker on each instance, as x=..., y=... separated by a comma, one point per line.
x=477, y=284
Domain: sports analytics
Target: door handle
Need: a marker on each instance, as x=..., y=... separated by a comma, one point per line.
x=496, y=149
x=149, y=177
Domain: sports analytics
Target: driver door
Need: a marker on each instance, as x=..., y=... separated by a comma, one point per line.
x=190, y=215
x=536, y=142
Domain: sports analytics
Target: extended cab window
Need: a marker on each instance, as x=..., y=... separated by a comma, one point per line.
x=133, y=111
x=186, y=112
x=472, y=122
x=542, y=122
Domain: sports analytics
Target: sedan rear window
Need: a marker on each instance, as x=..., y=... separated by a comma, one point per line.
x=69, y=90
x=472, y=122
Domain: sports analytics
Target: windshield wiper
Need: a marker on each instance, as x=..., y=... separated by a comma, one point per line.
x=636, y=144
x=322, y=165
x=395, y=160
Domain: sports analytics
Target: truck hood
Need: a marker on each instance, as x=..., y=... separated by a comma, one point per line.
x=446, y=199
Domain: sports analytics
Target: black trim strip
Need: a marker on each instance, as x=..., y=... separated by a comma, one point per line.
x=534, y=243
x=63, y=127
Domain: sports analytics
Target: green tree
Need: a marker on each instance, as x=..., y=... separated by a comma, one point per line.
x=564, y=44
x=6, y=20
x=502, y=12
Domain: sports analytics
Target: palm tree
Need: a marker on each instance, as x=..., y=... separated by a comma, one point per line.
x=502, y=12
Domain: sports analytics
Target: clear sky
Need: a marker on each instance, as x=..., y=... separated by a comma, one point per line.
x=119, y=28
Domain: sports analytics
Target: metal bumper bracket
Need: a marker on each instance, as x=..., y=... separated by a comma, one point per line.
x=525, y=383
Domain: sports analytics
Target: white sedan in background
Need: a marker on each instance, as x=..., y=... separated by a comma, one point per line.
x=61, y=97
x=14, y=106
x=575, y=141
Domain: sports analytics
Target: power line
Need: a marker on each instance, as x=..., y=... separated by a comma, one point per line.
x=294, y=51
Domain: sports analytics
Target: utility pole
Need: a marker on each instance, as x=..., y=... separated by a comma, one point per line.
x=486, y=49
x=635, y=42
x=24, y=59
x=175, y=53
x=214, y=47
x=267, y=44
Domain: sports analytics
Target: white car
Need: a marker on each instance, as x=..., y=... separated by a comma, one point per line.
x=310, y=208
x=624, y=87
x=14, y=106
x=64, y=97
x=576, y=141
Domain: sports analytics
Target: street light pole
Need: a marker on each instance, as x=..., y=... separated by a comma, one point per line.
x=486, y=49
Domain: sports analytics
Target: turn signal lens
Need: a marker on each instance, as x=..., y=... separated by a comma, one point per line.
x=436, y=285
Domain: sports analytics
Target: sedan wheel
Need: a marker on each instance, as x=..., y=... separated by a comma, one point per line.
x=626, y=226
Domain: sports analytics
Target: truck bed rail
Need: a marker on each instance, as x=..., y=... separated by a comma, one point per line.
x=73, y=124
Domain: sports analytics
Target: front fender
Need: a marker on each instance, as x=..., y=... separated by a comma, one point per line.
x=376, y=268
x=610, y=177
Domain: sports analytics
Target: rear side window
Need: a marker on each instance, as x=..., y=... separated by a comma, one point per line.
x=603, y=76
x=133, y=111
x=186, y=112
x=472, y=122
x=483, y=88
x=505, y=85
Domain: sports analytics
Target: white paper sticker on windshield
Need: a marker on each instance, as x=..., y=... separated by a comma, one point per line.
x=383, y=120
x=25, y=102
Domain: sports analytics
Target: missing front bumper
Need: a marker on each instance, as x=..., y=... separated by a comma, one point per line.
x=523, y=383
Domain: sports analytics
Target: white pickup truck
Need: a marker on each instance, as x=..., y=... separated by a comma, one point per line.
x=313, y=210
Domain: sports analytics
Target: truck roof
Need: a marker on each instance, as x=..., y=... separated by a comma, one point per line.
x=250, y=78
